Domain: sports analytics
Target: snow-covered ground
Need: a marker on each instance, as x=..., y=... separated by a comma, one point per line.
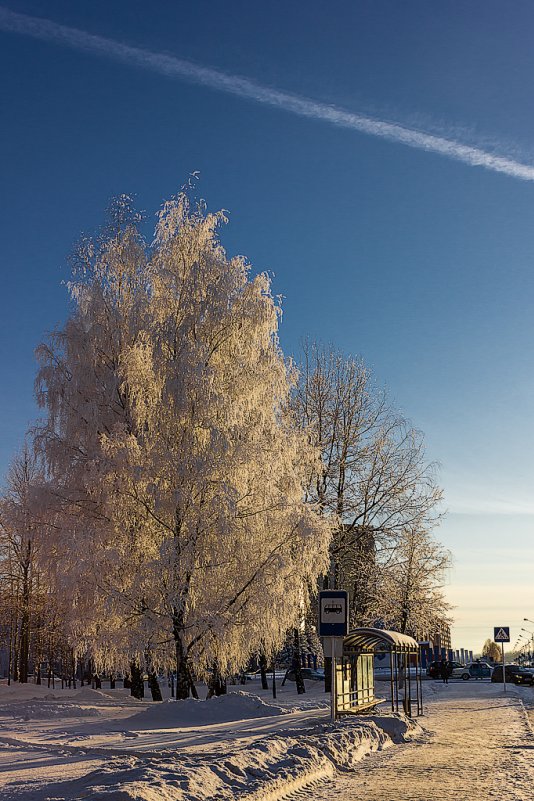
x=95, y=744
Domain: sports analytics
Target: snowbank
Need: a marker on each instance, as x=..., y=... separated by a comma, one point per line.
x=398, y=727
x=275, y=766
x=19, y=692
x=38, y=710
x=222, y=709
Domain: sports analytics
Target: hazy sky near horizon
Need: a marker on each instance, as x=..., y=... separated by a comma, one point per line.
x=375, y=156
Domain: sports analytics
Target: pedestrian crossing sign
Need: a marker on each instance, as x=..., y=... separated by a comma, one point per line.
x=501, y=634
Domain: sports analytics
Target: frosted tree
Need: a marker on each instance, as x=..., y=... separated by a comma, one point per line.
x=374, y=482
x=410, y=589
x=174, y=469
x=491, y=651
x=19, y=547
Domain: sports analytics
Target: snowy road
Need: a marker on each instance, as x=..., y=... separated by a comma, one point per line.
x=478, y=744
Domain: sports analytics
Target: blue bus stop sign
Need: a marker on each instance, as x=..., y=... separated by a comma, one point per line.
x=333, y=613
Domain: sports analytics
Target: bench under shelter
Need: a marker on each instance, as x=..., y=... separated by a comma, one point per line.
x=354, y=680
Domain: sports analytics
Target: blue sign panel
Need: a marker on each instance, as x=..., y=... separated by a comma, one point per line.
x=501, y=634
x=333, y=613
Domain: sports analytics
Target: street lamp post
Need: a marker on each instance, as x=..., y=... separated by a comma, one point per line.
x=527, y=620
x=518, y=647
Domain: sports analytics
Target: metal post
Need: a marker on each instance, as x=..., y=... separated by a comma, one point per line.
x=419, y=679
x=391, y=679
x=409, y=686
x=396, y=683
x=333, y=705
x=418, y=668
x=503, y=670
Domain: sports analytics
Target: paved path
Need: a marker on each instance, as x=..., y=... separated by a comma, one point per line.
x=477, y=744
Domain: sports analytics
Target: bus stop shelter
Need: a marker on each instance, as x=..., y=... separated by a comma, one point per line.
x=354, y=683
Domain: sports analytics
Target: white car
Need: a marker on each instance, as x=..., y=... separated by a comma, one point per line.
x=473, y=670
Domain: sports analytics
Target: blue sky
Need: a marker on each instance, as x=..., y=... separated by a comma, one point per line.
x=420, y=262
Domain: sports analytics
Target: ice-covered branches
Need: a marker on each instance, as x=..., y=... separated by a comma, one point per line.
x=374, y=485
x=174, y=470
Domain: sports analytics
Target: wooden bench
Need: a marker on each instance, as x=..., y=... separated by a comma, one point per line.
x=369, y=706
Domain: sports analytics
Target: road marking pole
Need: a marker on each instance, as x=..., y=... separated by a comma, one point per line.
x=502, y=634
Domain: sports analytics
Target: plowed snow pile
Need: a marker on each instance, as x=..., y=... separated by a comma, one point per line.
x=47, y=711
x=179, y=714
x=258, y=772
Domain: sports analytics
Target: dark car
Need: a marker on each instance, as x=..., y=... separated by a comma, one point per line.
x=434, y=669
x=307, y=673
x=514, y=674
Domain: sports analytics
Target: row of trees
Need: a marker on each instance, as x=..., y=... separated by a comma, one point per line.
x=188, y=489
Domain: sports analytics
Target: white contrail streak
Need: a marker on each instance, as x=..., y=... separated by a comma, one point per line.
x=242, y=87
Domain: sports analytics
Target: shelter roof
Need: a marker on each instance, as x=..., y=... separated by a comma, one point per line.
x=370, y=640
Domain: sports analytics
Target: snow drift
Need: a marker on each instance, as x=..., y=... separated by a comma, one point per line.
x=222, y=709
x=263, y=771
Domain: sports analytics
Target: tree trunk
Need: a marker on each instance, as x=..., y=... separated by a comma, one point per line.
x=127, y=682
x=24, y=652
x=10, y=651
x=404, y=619
x=97, y=681
x=297, y=667
x=137, y=689
x=111, y=681
x=192, y=687
x=73, y=668
x=182, y=669
x=16, y=640
x=216, y=683
x=262, y=661
x=154, y=686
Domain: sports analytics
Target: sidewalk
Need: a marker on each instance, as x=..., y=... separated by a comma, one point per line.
x=478, y=744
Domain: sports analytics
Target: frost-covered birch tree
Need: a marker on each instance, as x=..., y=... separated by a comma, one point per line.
x=174, y=469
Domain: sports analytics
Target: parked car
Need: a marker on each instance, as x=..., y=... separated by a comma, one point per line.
x=307, y=673
x=384, y=673
x=473, y=670
x=255, y=675
x=480, y=670
x=434, y=669
x=514, y=674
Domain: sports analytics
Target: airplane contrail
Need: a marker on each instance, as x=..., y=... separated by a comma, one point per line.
x=177, y=68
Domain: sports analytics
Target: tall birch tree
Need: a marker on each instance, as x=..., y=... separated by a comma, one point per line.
x=174, y=469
